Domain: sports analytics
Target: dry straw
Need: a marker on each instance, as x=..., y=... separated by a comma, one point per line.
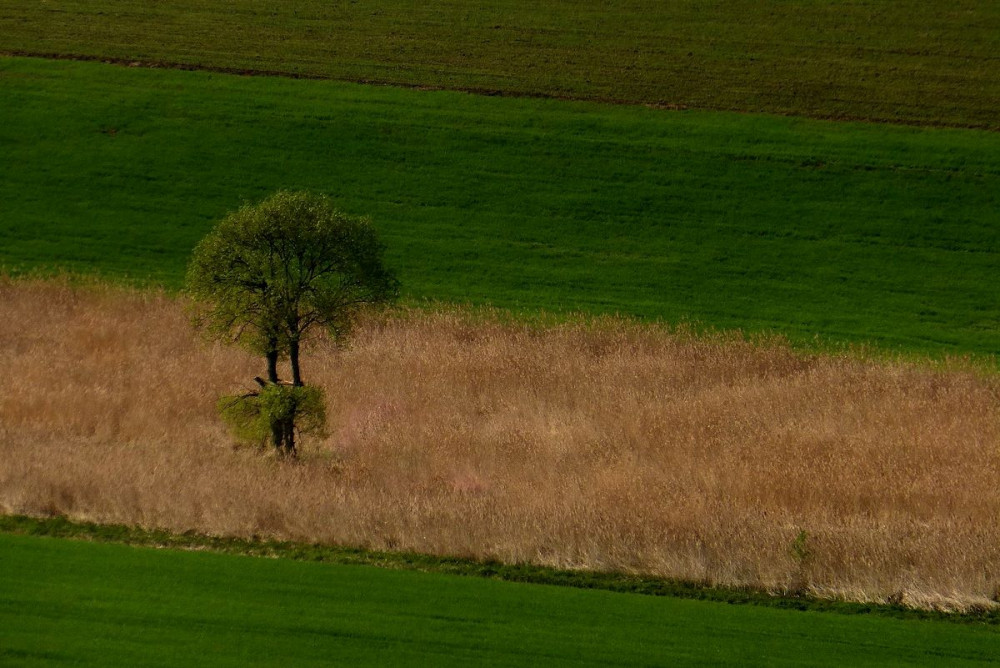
x=604, y=445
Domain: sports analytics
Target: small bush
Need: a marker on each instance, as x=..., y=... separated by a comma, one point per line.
x=251, y=416
x=242, y=415
x=800, y=549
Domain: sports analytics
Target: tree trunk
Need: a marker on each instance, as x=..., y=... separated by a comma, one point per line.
x=278, y=434
x=277, y=427
x=293, y=356
x=290, y=437
x=272, y=364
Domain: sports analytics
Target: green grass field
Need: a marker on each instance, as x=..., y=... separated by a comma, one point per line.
x=850, y=231
x=81, y=603
x=906, y=60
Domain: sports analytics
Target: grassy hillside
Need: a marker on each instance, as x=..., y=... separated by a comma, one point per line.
x=98, y=604
x=904, y=60
x=850, y=231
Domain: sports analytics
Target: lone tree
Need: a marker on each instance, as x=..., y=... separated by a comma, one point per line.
x=266, y=277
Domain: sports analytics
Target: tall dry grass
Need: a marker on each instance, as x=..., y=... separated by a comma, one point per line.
x=602, y=445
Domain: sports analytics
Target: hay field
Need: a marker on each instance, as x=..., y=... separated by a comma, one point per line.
x=601, y=444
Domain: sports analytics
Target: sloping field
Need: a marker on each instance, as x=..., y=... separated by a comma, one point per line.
x=116, y=605
x=606, y=446
x=849, y=231
x=909, y=60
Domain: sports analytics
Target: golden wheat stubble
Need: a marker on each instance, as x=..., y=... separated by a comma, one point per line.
x=599, y=444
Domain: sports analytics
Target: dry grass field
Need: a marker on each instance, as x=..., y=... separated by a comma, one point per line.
x=600, y=444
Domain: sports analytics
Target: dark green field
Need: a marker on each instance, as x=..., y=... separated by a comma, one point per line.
x=850, y=231
x=71, y=602
x=904, y=60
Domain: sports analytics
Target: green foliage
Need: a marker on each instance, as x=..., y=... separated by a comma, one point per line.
x=305, y=406
x=800, y=550
x=251, y=416
x=242, y=414
x=269, y=272
x=723, y=219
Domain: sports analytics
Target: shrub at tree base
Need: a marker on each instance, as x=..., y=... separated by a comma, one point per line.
x=254, y=417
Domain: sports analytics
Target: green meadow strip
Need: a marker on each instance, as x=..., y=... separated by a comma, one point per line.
x=61, y=527
x=900, y=61
x=100, y=604
x=849, y=232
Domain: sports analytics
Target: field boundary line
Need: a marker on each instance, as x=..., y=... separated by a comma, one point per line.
x=625, y=583
x=482, y=92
